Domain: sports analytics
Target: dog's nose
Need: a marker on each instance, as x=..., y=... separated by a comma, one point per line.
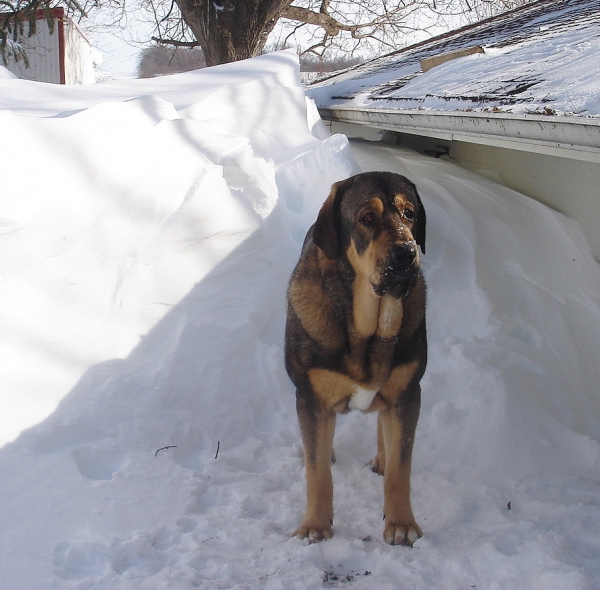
x=404, y=255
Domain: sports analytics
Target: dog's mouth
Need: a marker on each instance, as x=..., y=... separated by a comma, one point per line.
x=396, y=283
x=399, y=274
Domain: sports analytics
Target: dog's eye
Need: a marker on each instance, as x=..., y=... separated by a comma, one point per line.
x=408, y=214
x=367, y=219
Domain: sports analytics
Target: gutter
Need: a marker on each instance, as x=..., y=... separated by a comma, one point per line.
x=566, y=137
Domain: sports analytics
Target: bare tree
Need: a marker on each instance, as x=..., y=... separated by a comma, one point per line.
x=230, y=30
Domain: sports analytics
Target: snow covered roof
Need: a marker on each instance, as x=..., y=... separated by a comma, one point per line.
x=539, y=59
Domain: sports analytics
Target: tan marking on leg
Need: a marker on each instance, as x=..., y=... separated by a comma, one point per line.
x=400, y=525
x=318, y=517
x=398, y=382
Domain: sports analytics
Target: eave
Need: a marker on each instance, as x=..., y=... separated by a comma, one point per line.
x=567, y=137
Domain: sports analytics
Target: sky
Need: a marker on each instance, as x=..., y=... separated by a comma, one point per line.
x=119, y=58
x=120, y=50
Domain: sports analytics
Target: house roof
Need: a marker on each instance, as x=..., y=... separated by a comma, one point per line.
x=540, y=59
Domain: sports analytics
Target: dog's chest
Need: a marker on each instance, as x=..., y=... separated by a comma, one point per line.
x=373, y=315
x=361, y=398
x=371, y=344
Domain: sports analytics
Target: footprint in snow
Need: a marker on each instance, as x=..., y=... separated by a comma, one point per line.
x=99, y=464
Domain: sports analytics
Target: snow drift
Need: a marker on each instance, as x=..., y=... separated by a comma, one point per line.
x=148, y=230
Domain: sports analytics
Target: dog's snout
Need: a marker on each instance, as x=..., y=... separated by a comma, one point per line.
x=404, y=255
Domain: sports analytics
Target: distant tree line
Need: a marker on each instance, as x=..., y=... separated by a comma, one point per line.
x=314, y=63
x=160, y=60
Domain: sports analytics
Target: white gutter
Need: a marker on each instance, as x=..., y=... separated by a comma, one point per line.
x=568, y=137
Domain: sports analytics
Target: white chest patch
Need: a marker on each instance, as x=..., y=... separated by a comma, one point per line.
x=362, y=398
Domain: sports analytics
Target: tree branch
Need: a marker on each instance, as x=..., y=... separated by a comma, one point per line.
x=309, y=17
x=333, y=27
x=175, y=43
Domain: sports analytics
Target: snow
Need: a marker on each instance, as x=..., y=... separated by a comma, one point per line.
x=148, y=230
x=6, y=74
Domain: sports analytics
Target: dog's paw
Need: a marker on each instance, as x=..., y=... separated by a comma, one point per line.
x=314, y=534
x=402, y=534
x=376, y=466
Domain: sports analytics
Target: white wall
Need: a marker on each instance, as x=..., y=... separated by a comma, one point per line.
x=79, y=66
x=567, y=185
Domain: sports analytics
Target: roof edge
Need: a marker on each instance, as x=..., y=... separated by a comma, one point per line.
x=554, y=135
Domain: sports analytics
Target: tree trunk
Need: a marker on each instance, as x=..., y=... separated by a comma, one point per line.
x=231, y=30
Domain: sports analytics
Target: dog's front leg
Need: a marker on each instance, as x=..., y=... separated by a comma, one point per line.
x=398, y=425
x=317, y=426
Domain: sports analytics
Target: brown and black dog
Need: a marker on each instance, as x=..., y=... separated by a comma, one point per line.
x=356, y=339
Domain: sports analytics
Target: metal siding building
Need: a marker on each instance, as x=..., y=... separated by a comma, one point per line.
x=63, y=56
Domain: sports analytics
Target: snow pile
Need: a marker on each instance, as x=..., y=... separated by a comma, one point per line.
x=148, y=230
x=6, y=74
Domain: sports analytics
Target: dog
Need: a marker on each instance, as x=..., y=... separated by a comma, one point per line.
x=356, y=339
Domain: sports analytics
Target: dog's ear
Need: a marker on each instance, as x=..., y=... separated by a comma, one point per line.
x=326, y=231
x=419, y=233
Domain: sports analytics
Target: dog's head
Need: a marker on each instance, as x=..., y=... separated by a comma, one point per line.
x=376, y=221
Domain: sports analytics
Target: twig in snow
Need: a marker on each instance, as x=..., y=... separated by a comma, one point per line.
x=264, y=577
x=218, y=445
x=164, y=448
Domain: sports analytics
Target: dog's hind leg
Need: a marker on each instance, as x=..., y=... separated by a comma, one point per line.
x=317, y=426
x=377, y=464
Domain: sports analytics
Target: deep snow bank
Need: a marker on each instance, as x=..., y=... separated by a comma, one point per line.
x=513, y=319
x=144, y=264
x=112, y=214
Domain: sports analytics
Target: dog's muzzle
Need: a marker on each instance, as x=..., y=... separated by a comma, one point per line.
x=401, y=272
